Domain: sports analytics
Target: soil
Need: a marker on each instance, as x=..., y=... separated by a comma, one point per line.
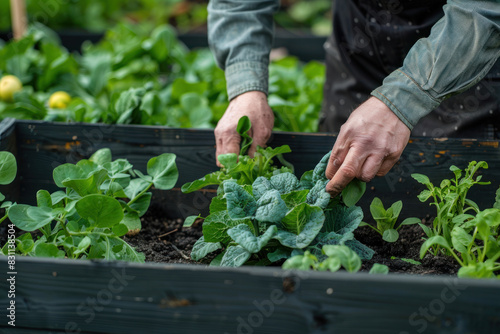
x=165, y=240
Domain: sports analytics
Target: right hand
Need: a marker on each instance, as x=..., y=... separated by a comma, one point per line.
x=254, y=105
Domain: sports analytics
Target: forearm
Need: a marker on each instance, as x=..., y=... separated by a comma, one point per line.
x=240, y=34
x=461, y=49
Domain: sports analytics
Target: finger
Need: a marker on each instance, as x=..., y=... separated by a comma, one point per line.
x=350, y=168
x=259, y=139
x=387, y=165
x=227, y=144
x=370, y=168
x=339, y=152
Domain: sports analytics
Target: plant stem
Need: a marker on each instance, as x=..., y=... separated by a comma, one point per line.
x=139, y=195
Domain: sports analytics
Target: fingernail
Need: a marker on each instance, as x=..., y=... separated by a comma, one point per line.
x=336, y=163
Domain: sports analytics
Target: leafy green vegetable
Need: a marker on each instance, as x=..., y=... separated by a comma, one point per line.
x=335, y=257
x=470, y=235
x=450, y=199
x=102, y=201
x=386, y=219
x=263, y=214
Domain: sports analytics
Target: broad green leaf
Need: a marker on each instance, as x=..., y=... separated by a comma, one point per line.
x=228, y=160
x=101, y=156
x=240, y=204
x=8, y=167
x=132, y=221
x=243, y=235
x=432, y=241
x=25, y=243
x=101, y=210
x=270, y=207
x=135, y=187
x=279, y=254
x=201, y=248
x=141, y=205
x=284, y=183
x=490, y=217
x=301, y=262
x=295, y=198
x=218, y=203
x=353, y=192
x=320, y=169
x=460, y=239
x=120, y=229
x=341, y=219
x=235, y=256
x=410, y=221
x=318, y=196
x=43, y=199
x=163, y=170
x=216, y=225
x=332, y=264
x=390, y=235
x=378, y=268
x=348, y=258
x=377, y=209
x=306, y=180
x=396, y=208
x=83, y=245
x=209, y=179
x=260, y=186
x=420, y=178
x=190, y=220
x=302, y=225
x=477, y=270
x=48, y=250
x=424, y=195
x=30, y=218
x=496, y=205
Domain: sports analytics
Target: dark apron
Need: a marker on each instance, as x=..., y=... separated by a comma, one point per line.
x=370, y=40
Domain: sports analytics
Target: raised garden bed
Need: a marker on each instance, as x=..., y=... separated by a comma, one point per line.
x=117, y=297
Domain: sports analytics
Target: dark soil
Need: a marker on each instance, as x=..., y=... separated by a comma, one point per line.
x=165, y=240
x=407, y=247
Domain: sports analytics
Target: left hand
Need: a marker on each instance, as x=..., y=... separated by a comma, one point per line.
x=369, y=143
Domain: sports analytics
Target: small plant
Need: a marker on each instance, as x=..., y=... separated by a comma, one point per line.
x=335, y=257
x=476, y=240
x=102, y=200
x=450, y=199
x=386, y=219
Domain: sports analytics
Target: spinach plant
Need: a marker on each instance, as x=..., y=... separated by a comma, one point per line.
x=386, y=219
x=102, y=200
x=336, y=256
x=450, y=199
x=8, y=171
x=275, y=216
x=475, y=244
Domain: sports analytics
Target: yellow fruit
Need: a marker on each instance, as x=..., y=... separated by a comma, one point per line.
x=9, y=85
x=59, y=100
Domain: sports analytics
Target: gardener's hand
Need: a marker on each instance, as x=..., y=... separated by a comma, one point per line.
x=254, y=105
x=369, y=143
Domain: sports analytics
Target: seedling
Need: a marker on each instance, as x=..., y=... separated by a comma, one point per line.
x=386, y=219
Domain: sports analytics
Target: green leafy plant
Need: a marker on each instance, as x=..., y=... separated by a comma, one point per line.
x=335, y=257
x=275, y=217
x=475, y=244
x=386, y=219
x=450, y=199
x=102, y=200
x=8, y=171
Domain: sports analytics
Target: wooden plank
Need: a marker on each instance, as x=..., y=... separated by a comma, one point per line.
x=113, y=297
x=44, y=145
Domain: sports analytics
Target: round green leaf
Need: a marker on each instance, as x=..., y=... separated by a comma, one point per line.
x=390, y=235
x=8, y=167
x=103, y=211
x=163, y=170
